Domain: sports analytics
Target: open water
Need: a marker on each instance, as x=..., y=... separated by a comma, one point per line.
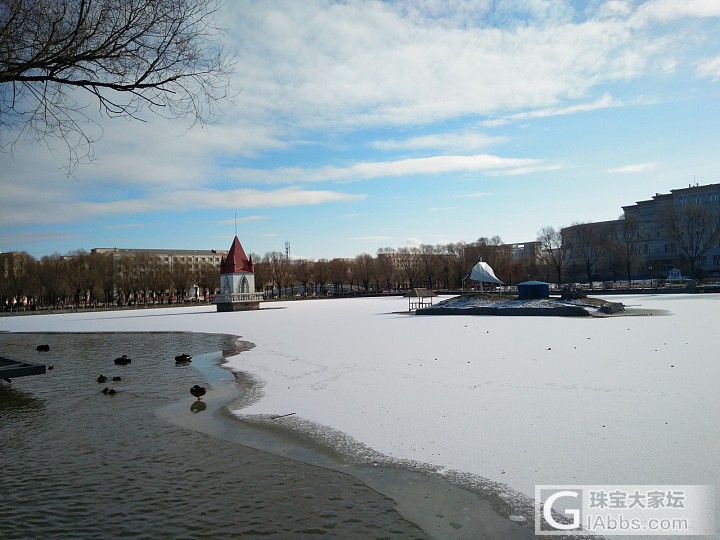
x=150, y=461
x=77, y=463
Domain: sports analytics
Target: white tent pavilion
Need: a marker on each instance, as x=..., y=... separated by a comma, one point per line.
x=483, y=273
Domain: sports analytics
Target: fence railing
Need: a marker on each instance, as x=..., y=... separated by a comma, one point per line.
x=237, y=297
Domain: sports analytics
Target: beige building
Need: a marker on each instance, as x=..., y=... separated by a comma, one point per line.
x=194, y=258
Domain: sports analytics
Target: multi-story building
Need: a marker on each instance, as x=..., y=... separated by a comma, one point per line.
x=657, y=251
x=657, y=247
x=192, y=258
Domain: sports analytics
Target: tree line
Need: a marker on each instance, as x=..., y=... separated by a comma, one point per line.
x=588, y=252
x=81, y=279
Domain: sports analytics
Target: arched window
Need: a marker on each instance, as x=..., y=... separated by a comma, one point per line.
x=244, y=287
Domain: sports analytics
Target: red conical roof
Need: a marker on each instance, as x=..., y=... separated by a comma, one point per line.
x=236, y=260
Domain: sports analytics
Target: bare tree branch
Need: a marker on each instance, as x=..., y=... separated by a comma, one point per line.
x=128, y=56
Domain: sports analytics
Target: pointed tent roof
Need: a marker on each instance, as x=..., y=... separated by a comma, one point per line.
x=483, y=272
x=236, y=260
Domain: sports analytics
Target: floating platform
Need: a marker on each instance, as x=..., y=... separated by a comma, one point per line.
x=9, y=368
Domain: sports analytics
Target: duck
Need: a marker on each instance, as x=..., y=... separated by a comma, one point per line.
x=111, y=391
x=117, y=378
x=183, y=358
x=102, y=379
x=198, y=391
x=42, y=348
x=123, y=360
x=105, y=390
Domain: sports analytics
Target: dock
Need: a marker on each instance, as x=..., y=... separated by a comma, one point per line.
x=10, y=368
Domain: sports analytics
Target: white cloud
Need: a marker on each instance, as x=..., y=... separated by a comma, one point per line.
x=411, y=242
x=242, y=219
x=466, y=141
x=634, y=168
x=403, y=167
x=670, y=10
x=606, y=101
x=50, y=211
x=709, y=68
x=470, y=195
x=255, y=198
x=370, y=63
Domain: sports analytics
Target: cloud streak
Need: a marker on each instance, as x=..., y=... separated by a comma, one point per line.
x=634, y=168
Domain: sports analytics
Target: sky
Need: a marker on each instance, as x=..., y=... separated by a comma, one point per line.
x=355, y=126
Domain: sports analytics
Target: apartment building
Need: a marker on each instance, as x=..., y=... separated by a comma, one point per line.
x=657, y=250
x=192, y=258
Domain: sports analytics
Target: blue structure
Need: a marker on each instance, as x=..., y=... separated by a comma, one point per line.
x=528, y=290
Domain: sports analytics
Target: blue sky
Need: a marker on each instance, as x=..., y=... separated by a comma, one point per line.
x=361, y=125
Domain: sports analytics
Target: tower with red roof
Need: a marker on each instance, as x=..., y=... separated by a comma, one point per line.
x=237, y=281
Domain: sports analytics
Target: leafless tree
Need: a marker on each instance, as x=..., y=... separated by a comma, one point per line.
x=555, y=250
x=384, y=266
x=180, y=276
x=321, y=271
x=429, y=264
x=408, y=266
x=208, y=278
x=15, y=272
x=365, y=270
x=338, y=274
x=125, y=56
x=590, y=242
x=625, y=238
x=458, y=266
x=303, y=271
x=52, y=273
x=695, y=229
x=278, y=269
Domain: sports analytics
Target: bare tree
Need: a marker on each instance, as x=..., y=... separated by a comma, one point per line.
x=303, y=271
x=321, y=271
x=694, y=227
x=555, y=250
x=457, y=265
x=590, y=242
x=365, y=270
x=53, y=274
x=338, y=273
x=430, y=264
x=15, y=272
x=278, y=267
x=624, y=243
x=164, y=56
x=384, y=266
x=408, y=266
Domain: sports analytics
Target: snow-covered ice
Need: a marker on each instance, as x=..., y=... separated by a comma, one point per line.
x=517, y=400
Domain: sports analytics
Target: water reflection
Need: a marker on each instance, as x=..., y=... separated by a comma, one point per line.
x=198, y=406
x=11, y=399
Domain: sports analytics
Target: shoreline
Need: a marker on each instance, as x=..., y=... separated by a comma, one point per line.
x=443, y=504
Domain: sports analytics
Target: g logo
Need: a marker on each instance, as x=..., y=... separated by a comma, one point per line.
x=575, y=513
